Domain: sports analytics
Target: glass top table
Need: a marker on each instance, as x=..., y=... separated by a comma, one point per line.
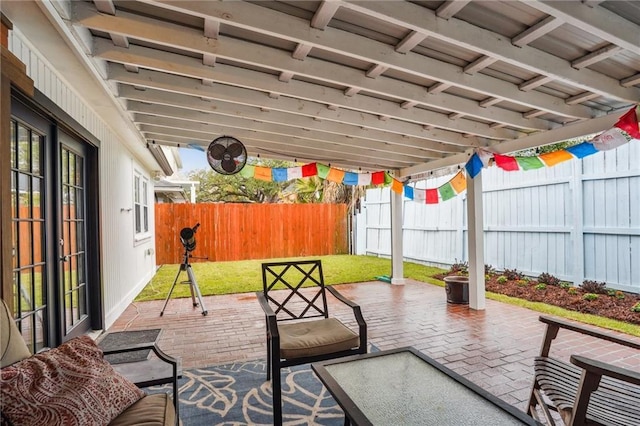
x=405, y=387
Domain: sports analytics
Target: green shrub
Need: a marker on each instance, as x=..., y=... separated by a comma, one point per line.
x=572, y=291
x=636, y=307
x=565, y=285
x=548, y=279
x=590, y=296
x=619, y=295
x=541, y=286
x=501, y=279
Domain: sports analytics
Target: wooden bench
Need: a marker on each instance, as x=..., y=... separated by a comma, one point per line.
x=584, y=391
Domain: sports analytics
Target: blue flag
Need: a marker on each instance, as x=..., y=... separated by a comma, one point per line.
x=279, y=174
x=350, y=178
x=474, y=165
x=582, y=150
x=408, y=192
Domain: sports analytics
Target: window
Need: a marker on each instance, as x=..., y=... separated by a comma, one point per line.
x=141, y=203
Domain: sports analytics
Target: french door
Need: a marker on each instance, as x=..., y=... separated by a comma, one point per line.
x=72, y=243
x=52, y=283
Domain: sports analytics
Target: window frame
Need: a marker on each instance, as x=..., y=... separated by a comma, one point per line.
x=141, y=220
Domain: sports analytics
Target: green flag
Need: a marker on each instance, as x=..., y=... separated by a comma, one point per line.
x=247, y=171
x=388, y=179
x=529, y=163
x=446, y=191
x=323, y=171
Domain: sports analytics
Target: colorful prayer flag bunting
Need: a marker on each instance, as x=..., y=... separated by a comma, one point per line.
x=625, y=129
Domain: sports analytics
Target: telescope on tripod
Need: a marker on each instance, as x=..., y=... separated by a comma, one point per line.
x=188, y=240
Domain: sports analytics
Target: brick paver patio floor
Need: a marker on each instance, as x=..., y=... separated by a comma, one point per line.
x=493, y=348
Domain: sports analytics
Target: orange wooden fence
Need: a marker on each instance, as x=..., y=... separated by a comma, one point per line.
x=251, y=231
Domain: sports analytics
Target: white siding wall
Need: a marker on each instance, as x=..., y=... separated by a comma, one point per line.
x=578, y=220
x=127, y=266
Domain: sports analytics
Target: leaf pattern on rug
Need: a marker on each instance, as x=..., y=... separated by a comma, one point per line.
x=238, y=394
x=305, y=401
x=208, y=390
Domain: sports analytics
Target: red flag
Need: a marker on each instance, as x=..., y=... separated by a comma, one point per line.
x=629, y=123
x=309, y=170
x=506, y=163
x=432, y=196
x=377, y=178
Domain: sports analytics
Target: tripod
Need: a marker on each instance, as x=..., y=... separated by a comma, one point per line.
x=193, y=285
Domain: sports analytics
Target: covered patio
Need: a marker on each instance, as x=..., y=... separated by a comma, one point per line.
x=410, y=88
x=494, y=348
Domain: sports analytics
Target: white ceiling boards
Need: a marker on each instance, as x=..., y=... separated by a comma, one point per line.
x=374, y=85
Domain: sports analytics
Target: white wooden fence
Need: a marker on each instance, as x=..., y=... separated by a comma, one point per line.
x=579, y=221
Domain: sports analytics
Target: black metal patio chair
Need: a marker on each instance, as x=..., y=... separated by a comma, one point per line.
x=299, y=328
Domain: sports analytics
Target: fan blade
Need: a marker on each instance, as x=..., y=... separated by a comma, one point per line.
x=228, y=165
x=235, y=149
x=217, y=151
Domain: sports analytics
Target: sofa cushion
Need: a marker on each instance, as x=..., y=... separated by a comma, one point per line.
x=12, y=345
x=152, y=410
x=71, y=385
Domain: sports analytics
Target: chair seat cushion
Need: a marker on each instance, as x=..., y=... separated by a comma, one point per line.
x=152, y=410
x=318, y=337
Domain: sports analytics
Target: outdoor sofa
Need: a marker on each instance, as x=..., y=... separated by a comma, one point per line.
x=72, y=384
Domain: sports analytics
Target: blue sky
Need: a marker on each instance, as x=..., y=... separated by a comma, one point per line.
x=193, y=159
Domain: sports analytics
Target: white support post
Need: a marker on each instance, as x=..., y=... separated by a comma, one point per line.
x=577, y=233
x=476, y=243
x=397, y=256
x=193, y=193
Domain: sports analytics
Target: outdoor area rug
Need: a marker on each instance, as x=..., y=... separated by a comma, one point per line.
x=238, y=394
x=122, y=339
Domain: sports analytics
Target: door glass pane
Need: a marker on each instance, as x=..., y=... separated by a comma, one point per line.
x=24, y=149
x=14, y=151
x=36, y=158
x=24, y=196
x=35, y=187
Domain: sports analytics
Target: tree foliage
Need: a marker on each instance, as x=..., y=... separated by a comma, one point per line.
x=215, y=188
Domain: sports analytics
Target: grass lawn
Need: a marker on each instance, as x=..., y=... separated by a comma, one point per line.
x=244, y=276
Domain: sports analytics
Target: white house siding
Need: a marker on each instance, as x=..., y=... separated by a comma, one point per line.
x=127, y=265
x=579, y=220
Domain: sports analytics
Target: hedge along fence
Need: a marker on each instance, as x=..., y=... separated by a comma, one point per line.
x=251, y=231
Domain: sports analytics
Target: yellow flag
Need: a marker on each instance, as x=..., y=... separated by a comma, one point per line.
x=335, y=175
x=556, y=157
x=459, y=182
x=397, y=187
x=263, y=173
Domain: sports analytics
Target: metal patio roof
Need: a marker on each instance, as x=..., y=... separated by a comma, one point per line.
x=404, y=86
